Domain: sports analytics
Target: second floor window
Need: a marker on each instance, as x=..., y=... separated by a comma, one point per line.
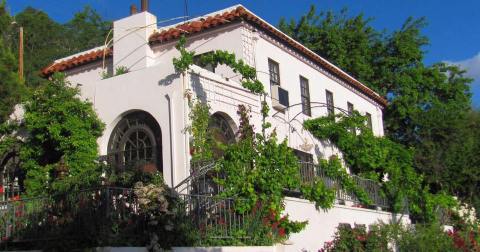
x=330, y=106
x=369, y=120
x=350, y=113
x=305, y=94
x=350, y=108
x=274, y=71
x=197, y=60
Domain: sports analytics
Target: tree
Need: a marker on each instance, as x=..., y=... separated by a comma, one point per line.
x=46, y=40
x=428, y=105
x=87, y=30
x=10, y=85
x=60, y=152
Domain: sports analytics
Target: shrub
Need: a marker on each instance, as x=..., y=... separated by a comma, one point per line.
x=358, y=239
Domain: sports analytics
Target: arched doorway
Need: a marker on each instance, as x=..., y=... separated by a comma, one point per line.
x=136, y=143
x=223, y=129
x=12, y=176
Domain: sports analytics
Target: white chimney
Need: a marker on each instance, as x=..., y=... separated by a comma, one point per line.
x=130, y=41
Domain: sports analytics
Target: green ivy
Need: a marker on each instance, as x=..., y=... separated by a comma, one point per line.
x=333, y=169
x=318, y=192
x=63, y=132
x=379, y=159
x=183, y=63
x=257, y=169
x=202, y=142
x=219, y=57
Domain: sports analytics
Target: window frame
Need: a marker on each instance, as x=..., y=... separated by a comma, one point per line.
x=305, y=96
x=197, y=62
x=369, y=120
x=350, y=108
x=329, y=102
x=271, y=73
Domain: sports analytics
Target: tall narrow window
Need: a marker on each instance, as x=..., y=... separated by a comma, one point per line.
x=330, y=106
x=305, y=94
x=274, y=71
x=350, y=113
x=350, y=108
x=369, y=120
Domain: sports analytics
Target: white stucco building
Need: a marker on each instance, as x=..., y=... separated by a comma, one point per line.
x=146, y=108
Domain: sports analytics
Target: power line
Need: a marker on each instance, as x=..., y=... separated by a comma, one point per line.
x=186, y=10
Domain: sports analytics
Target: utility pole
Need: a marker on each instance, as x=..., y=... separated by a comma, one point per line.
x=20, y=53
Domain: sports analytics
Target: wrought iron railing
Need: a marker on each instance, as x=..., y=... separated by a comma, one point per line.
x=110, y=216
x=309, y=172
x=217, y=218
x=104, y=216
x=202, y=182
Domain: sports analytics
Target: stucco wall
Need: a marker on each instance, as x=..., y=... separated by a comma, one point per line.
x=146, y=89
x=292, y=66
x=322, y=225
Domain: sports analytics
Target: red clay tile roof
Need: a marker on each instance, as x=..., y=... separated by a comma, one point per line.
x=240, y=13
x=76, y=61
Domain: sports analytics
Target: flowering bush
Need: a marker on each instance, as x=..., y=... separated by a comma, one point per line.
x=466, y=240
x=357, y=239
x=167, y=224
x=418, y=237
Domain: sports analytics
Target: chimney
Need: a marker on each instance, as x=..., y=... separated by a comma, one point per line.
x=144, y=5
x=130, y=40
x=133, y=9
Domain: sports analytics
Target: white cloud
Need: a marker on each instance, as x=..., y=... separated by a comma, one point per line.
x=472, y=65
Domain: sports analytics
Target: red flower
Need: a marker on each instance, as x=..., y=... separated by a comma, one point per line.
x=281, y=232
x=361, y=238
x=275, y=225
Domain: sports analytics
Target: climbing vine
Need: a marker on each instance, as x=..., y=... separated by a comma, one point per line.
x=61, y=151
x=201, y=145
x=219, y=57
x=257, y=169
x=376, y=158
x=334, y=169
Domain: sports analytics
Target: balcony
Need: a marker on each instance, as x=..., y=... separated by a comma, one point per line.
x=202, y=177
x=309, y=172
x=107, y=216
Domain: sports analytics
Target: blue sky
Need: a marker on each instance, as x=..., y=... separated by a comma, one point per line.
x=454, y=26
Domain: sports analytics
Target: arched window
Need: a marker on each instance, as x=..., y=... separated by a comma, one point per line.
x=12, y=176
x=136, y=143
x=221, y=126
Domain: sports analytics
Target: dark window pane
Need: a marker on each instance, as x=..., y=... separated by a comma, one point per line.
x=369, y=120
x=350, y=108
x=330, y=106
x=197, y=61
x=274, y=71
x=305, y=96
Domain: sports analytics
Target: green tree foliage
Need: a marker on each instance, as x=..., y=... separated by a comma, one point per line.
x=428, y=105
x=380, y=159
x=5, y=21
x=63, y=132
x=454, y=165
x=86, y=30
x=46, y=40
x=10, y=86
